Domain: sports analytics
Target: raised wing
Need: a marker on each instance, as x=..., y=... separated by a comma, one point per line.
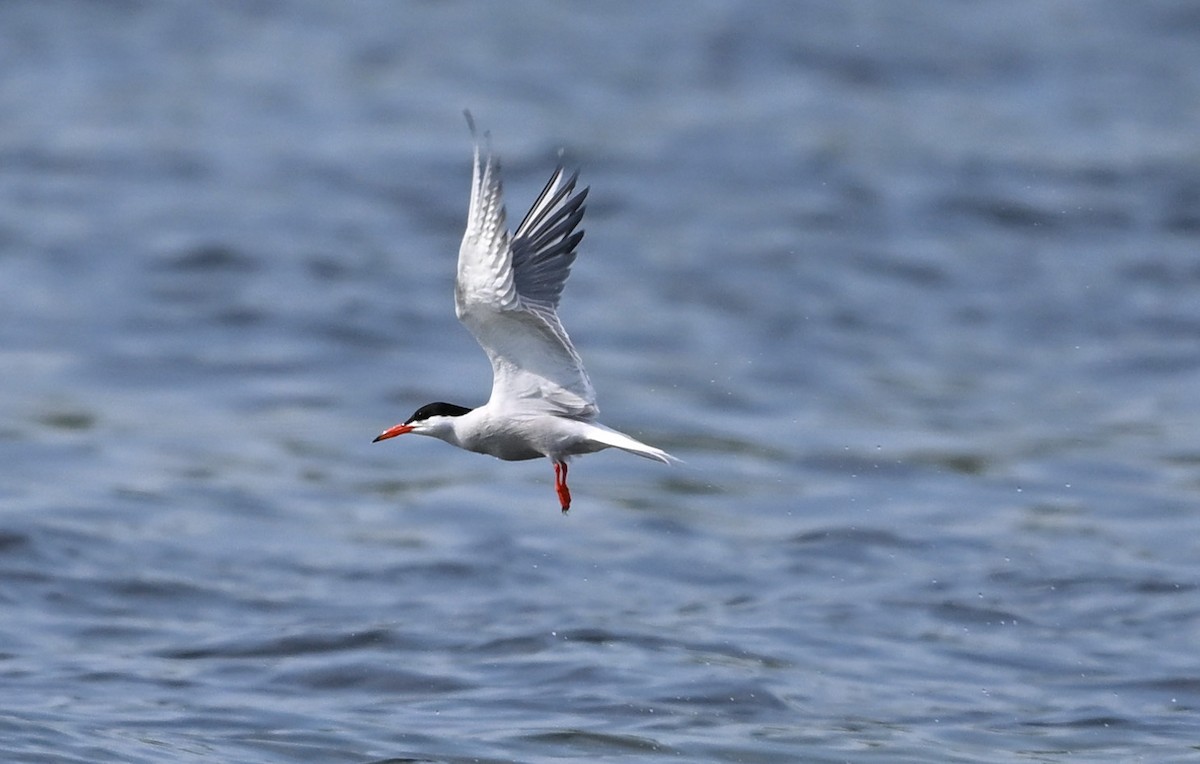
x=543, y=248
x=508, y=289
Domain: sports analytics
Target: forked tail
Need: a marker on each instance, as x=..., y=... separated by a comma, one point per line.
x=610, y=437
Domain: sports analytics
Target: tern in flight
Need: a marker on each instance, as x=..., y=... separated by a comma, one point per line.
x=507, y=294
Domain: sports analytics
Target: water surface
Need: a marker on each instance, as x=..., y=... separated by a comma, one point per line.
x=910, y=288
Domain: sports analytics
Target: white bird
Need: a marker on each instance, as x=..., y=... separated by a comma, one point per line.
x=507, y=294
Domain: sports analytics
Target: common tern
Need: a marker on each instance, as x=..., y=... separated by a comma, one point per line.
x=507, y=293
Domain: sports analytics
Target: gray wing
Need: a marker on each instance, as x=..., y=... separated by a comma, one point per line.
x=508, y=289
x=543, y=248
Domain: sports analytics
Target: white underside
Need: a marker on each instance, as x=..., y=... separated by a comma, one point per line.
x=514, y=437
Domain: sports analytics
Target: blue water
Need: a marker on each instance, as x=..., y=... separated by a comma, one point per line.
x=911, y=288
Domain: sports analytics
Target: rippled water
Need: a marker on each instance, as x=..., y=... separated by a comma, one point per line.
x=910, y=287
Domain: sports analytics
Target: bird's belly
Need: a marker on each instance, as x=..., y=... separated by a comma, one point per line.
x=511, y=452
x=517, y=440
x=509, y=441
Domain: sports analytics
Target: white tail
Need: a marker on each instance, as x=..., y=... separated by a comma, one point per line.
x=609, y=437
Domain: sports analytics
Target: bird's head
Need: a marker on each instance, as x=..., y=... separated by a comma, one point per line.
x=433, y=419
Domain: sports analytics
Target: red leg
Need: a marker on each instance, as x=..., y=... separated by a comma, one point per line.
x=560, y=485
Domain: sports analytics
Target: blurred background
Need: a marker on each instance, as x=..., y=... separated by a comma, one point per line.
x=910, y=287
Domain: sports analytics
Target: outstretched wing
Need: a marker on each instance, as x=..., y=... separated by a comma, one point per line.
x=508, y=289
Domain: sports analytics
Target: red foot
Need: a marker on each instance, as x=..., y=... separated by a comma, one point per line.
x=560, y=485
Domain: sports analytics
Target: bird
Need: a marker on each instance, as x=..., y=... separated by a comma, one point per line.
x=507, y=293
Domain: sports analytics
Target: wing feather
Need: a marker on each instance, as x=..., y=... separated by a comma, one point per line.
x=508, y=289
x=485, y=273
